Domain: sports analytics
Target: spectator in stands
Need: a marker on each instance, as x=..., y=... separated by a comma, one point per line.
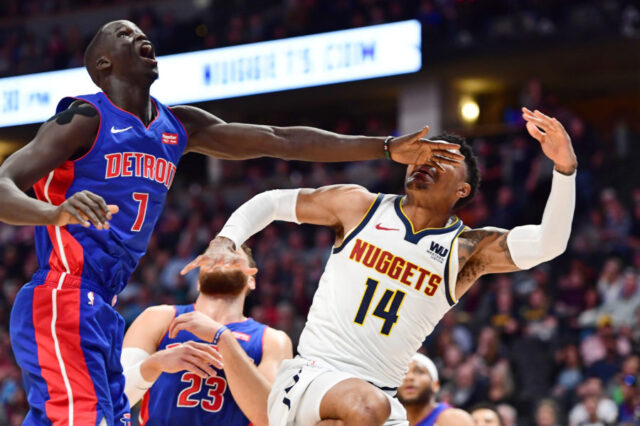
x=547, y=413
x=485, y=414
x=594, y=407
x=628, y=302
x=570, y=372
x=508, y=414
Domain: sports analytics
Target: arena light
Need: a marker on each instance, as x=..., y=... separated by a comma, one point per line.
x=469, y=110
x=315, y=60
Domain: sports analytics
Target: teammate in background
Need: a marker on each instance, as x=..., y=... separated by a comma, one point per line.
x=418, y=396
x=485, y=415
x=119, y=148
x=398, y=265
x=178, y=392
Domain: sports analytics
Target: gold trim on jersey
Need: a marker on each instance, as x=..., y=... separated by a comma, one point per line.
x=345, y=239
x=453, y=296
x=413, y=229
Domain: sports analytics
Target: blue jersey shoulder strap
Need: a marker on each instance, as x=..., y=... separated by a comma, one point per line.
x=431, y=418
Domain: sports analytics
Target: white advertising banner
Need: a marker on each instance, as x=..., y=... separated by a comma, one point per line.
x=314, y=60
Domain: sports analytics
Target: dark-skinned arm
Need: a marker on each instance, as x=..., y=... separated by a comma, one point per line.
x=211, y=136
x=494, y=250
x=67, y=135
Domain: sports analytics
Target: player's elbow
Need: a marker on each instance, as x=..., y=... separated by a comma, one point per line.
x=556, y=248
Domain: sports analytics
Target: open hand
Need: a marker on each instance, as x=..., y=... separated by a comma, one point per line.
x=191, y=356
x=416, y=149
x=83, y=207
x=221, y=253
x=553, y=138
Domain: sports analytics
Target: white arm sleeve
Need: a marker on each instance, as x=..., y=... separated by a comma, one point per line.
x=135, y=385
x=254, y=215
x=531, y=245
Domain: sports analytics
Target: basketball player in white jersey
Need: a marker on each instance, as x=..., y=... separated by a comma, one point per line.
x=398, y=265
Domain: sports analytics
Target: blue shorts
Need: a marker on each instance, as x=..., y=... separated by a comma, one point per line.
x=67, y=340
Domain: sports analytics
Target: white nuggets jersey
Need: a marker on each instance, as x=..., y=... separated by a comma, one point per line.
x=382, y=292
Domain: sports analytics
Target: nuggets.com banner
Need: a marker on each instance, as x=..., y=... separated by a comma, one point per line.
x=315, y=60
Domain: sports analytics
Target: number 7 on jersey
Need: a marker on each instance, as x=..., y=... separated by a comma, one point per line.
x=143, y=199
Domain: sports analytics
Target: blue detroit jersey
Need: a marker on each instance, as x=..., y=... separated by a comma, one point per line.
x=130, y=165
x=432, y=417
x=187, y=399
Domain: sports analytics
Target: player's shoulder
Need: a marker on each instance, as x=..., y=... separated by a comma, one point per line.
x=276, y=341
x=356, y=194
x=159, y=313
x=473, y=238
x=455, y=416
x=194, y=118
x=79, y=115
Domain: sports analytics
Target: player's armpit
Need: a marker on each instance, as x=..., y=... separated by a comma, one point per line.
x=277, y=347
x=149, y=327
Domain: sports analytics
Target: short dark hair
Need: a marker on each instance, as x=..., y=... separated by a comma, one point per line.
x=487, y=406
x=471, y=161
x=92, y=52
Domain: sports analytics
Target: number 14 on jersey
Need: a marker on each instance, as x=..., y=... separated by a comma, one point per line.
x=383, y=311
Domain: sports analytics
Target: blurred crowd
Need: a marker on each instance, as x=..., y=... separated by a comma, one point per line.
x=449, y=25
x=555, y=345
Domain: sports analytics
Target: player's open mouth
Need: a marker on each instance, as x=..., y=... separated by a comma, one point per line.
x=147, y=53
x=426, y=173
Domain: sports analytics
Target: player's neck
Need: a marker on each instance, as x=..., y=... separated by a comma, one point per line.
x=415, y=413
x=223, y=309
x=133, y=98
x=424, y=213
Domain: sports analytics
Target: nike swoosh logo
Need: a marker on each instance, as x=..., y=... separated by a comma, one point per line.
x=114, y=130
x=382, y=228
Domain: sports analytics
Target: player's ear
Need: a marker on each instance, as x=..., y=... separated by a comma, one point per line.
x=103, y=63
x=463, y=190
x=251, y=283
x=436, y=387
x=198, y=286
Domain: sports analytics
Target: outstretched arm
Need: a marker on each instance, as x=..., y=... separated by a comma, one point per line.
x=338, y=206
x=249, y=384
x=66, y=135
x=210, y=135
x=493, y=250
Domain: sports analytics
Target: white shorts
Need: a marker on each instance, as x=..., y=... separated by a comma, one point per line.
x=298, y=390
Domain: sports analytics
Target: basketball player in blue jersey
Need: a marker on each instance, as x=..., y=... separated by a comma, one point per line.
x=232, y=396
x=398, y=265
x=418, y=396
x=117, y=151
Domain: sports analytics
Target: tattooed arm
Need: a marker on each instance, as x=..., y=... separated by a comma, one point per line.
x=480, y=252
x=65, y=136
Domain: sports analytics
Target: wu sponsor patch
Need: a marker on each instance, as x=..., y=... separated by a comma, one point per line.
x=438, y=252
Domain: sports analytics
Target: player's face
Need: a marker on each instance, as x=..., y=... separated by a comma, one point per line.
x=448, y=182
x=129, y=50
x=417, y=387
x=485, y=417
